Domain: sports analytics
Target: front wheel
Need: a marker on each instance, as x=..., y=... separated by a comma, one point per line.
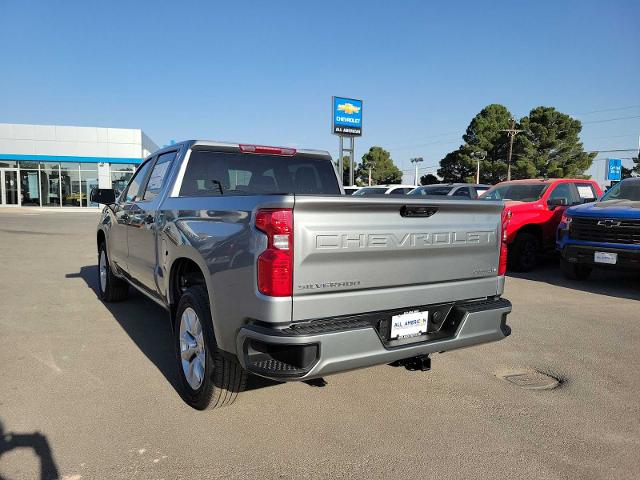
x=209, y=378
x=574, y=271
x=523, y=253
x=111, y=288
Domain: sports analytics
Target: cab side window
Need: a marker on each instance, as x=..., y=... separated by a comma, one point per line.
x=134, y=189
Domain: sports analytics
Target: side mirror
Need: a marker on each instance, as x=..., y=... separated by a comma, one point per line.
x=106, y=196
x=557, y=202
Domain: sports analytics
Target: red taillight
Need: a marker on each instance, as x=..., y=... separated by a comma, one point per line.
x=287, y=152
x=502, y=266
x=275, y=264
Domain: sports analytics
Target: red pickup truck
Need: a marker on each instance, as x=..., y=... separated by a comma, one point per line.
x=534, y=208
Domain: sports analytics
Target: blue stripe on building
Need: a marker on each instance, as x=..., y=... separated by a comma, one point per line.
x=68, y=158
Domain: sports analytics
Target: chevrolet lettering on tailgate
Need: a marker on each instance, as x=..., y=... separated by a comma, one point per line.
x=408, y=240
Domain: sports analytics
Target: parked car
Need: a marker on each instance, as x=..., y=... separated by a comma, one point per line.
x=384, y=190
x=603, y=234
x=351, y=189
x=266, y=268
x=465, y=190
x=535, y=208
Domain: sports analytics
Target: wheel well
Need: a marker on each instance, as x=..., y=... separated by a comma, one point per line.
x=185, y=273
x=101, y=238
x=534, y=230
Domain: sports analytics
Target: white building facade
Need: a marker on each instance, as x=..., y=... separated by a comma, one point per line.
x=57, y=166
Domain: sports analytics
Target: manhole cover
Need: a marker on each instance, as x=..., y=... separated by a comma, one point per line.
x=531, y=380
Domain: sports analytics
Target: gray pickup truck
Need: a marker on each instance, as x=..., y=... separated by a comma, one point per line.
x=265, y=267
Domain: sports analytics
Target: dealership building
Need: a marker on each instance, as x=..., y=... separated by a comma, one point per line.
x=57, y=166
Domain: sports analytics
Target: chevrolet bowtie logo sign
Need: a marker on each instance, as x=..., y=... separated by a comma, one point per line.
x=348, y=108
x=609, y=223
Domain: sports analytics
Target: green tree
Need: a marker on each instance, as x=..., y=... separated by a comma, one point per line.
x=428, y=179
x=483, y=133
x=550, y=146
x=636, y=166
x=457, y=166
x=383, y=170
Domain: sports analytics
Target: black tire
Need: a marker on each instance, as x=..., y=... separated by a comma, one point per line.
x=574, y=271
x=113, y=289
x=523, y=253
x=224, y=377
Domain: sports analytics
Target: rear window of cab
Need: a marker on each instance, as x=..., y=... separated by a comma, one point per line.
x=211, y=173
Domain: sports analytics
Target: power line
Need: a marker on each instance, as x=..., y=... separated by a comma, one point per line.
x=442, y=142
x=606, y=110
x=611, y=119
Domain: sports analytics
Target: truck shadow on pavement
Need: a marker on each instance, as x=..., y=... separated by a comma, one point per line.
x=612, y=283
x=148, y=325
x=35, y=442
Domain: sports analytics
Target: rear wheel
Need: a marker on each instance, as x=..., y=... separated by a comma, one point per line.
x=574, y=271
x=209, y=378
x=523, y=253
x=111, y=288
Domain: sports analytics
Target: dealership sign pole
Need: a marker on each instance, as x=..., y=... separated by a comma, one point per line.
x=346, y=122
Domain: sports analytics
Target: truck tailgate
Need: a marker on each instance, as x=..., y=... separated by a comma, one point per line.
x=353, y=255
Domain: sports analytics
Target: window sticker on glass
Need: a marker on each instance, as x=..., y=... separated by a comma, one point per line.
x=155, y=181
x=585, y=191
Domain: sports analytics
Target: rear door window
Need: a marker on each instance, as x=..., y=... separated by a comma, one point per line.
x=462, y=192
x=563, y=190
x=158, y=176
x=210, y=173
x=586, y=192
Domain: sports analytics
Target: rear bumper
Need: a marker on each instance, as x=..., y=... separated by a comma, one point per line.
x=628, y=258
x=327, y=346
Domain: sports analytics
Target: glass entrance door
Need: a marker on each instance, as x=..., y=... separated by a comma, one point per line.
x=9, y=187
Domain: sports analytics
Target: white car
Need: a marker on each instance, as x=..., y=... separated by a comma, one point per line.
x=350, y=190
x=384, y=190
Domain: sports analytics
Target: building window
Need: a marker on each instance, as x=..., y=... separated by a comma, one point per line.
x=121, y=173
x=50, y=191
x=70, y=184
x=88, y=181
x=29, y=188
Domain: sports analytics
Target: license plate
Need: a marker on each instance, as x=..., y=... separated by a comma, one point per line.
x=605, y=257
x=409, y=324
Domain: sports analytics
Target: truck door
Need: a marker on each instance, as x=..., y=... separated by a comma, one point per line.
x=564, y=191
x=141, y=232
x=117, y=248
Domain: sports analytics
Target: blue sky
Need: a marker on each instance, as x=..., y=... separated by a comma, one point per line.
x=264, y=72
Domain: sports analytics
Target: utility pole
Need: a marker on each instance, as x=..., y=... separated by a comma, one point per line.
x=480, y=155
x=416, y=161
x=511, y=132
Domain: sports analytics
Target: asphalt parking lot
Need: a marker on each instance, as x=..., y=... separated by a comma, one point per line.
x=89, y=389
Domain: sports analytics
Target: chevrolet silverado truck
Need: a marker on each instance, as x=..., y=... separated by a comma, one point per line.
x=604, y=234
x=267, y=268
x=534, y=209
